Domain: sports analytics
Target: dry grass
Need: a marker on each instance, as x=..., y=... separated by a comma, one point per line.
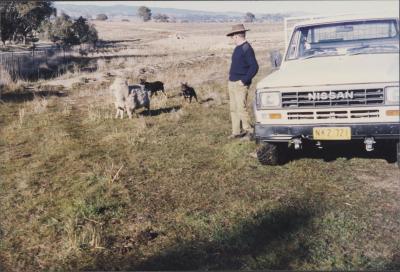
x=5, y=78
x=80, y=190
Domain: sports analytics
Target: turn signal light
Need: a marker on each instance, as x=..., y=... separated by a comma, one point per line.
x=393, y=112
x=275, y=116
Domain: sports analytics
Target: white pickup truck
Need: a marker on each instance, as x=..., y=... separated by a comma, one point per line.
x=338, y=81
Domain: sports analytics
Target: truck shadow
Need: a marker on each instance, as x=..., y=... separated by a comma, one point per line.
x=395, y=264
x=349, y=150
x=274, y=239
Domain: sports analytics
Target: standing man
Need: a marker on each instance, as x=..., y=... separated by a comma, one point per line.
x=244, y=67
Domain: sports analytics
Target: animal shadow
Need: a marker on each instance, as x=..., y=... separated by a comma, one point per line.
x=206, y=100
x=157, y=112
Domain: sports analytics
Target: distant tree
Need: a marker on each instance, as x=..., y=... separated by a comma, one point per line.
x=84, y=32
x=144, y=13
x=101, y=17
x=250, y=17
x=161, y=18
x=93, y=35
x=8, y=19
x=31, y=15
x=66, y=32
x=20, y=19
x=81, y=29
x=61, y=31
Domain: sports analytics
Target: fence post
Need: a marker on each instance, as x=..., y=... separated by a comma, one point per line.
x=35, y=67
x=19, y=68
x=12, y=65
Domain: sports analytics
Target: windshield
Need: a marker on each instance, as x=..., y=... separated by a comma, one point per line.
x=350, y=38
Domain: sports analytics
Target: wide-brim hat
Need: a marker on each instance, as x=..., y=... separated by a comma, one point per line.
x=237, y=29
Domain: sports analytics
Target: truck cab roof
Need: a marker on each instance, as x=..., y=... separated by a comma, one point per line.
x=319, y=20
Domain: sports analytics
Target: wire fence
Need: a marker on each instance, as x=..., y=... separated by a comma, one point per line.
x=37, y=63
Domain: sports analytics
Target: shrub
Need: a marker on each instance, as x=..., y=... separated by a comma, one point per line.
x=85, y=33
x=101, y=17
x=249, y=18
x=19, y=20
x=68, y=32
x=144, y=13
x=5, y=77
x=161, y=18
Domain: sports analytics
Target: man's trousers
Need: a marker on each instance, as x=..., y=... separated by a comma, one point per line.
x=238, y=100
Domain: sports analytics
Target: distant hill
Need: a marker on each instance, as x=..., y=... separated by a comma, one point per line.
x=115, y=11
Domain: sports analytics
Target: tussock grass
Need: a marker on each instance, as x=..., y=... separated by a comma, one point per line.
x=80, y=190
x=5, y=79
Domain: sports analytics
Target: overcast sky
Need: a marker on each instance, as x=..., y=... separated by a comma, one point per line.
x=318, y=7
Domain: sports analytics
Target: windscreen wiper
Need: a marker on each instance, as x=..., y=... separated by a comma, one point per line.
x=319, y=54
x=369, y=48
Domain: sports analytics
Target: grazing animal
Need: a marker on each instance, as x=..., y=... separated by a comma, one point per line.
x=140, y=98
x=153, y=87
x=128, y=98
x=188, y=92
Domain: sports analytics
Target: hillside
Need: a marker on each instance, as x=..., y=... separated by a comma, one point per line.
x=124, y=10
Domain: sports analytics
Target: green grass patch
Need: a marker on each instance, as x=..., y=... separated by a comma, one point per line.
x=81, y=190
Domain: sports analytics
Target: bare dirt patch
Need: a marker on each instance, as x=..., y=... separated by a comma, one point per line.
x=387, y=178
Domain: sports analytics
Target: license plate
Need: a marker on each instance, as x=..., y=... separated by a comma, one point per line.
x=332, y=133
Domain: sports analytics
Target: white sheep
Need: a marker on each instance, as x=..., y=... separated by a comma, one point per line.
x=129, y=98
x=120, y=91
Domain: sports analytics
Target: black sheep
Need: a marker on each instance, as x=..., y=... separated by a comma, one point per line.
x=153, y=87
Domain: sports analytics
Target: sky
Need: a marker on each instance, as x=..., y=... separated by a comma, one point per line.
x=317, y=7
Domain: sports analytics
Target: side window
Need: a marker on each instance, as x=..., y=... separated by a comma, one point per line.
x=293, y=46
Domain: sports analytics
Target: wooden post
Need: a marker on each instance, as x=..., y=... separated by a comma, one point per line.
x=19, y=68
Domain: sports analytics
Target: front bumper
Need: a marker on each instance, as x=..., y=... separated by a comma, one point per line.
x=284, y=133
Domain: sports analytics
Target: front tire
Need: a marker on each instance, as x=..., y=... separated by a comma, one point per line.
x=271, y=154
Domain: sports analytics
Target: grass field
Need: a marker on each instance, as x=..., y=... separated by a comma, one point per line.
x=167, y=190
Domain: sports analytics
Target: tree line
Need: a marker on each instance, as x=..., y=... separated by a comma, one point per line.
x=145, y=14
x=25, y=22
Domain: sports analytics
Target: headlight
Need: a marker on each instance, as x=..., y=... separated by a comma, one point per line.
x=392, y=95
x=269, y=99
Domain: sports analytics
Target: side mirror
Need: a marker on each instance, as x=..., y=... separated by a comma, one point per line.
x=276, y=59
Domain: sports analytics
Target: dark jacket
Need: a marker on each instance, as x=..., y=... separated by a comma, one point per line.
x=244, y=65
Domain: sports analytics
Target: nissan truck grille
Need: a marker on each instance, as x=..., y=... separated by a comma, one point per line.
x=333, y=98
